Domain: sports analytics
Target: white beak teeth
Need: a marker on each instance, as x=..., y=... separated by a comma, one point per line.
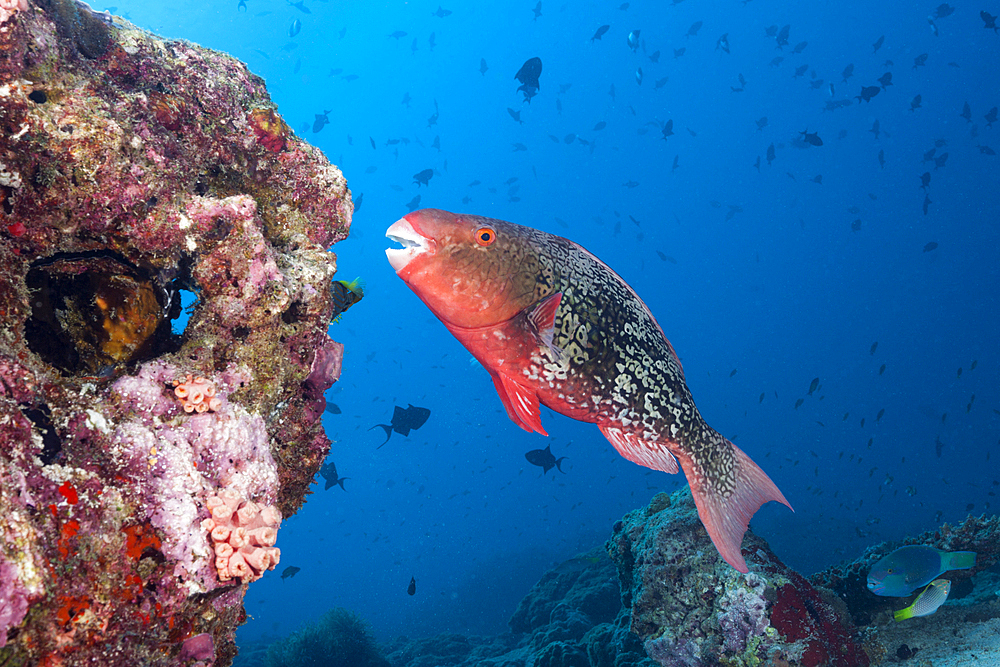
x=413, y=244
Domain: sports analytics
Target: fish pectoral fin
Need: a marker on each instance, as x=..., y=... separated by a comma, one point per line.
x=650, y=454
x=542, y=320
x=520, y=402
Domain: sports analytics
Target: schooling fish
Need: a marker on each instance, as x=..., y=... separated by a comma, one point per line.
x=555, y=326
x=927, y=602
x=908, y=568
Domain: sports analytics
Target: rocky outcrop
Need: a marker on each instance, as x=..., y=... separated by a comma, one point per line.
x=140, y=176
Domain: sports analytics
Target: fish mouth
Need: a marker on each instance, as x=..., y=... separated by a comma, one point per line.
x=413, y=243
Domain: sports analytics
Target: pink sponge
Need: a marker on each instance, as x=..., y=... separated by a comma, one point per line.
x=243, y=533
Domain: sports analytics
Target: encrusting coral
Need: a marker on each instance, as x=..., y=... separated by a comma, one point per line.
x=134, y=171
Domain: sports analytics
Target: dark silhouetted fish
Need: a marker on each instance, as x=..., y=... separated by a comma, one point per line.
x=441, y=12
x=545, y=459
x=915, y=103
x=927, y=203
x=329, y=473
x=800, y=47
x=483, y=66
x=289, y=572
x=722, y=43
x=322, y=120
x=940, y=160
x=925, y=180
x=667, y=129
x=875, y=128
x=985, y=150
x=782, y=37
x=638, y=76
x=867, y=93
x=412, y=588
x=633, y=40
x=423, y=177
x=966, y=113
x=881, y=158
x=413, y=204
x=878, y=44
x=600, y=32
x=811, y=139
x=761, y=123
x=885, y=80
x=800, y=70
x=332, y=408
x=693, y=30
x=930, y=246
x=920, y=61
x=396, y=35
x=516, y=115
x=990, y=21
x=770, y=155
x=404, y=420
x=991, y=117
x=528, y=76
x=680, y=52
x=537, y=10
x=600, y=126
x=813, y=386
x=847, y=73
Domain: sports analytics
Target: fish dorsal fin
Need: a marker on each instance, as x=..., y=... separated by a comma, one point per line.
x=520, y=402
x=650, y=454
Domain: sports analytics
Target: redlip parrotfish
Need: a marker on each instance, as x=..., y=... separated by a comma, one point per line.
x=908, y=568
x=556, y=326
x=927, y=602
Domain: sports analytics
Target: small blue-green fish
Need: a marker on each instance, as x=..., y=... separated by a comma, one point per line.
x=927, y=602
x=908, y=568
x=345, y=295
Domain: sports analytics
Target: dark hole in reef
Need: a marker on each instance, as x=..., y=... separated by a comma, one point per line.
x=5, y=194
x=92, y=312
x=240, y=333
x=200, y=188
x=41, y=417
x=293, y=313
x=38, y=96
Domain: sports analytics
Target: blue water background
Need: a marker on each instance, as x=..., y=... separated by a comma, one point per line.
x=756, y=305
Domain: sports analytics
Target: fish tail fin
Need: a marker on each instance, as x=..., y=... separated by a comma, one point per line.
x=959, y=560
x=903, y=614
x=726, y=516
x=559, y=463
x=388, y=432
x=342, y=479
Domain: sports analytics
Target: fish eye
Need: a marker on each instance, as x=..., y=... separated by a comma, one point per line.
x=485, y=236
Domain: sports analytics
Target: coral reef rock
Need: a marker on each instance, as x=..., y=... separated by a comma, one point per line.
x=138, y=173
x=571, y=618
x=691, y=609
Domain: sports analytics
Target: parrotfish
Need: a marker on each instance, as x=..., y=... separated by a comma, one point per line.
x=554, y=325
x=927, y=602
x=908, y=568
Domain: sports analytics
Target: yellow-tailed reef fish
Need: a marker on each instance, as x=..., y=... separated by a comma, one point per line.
x=908, y=568
x=927, y=602
x=345, y=295
x=556, y=326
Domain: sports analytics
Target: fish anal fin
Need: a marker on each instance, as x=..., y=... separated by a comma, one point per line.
x=650, y=454
x=520, y=402
x=726, y=518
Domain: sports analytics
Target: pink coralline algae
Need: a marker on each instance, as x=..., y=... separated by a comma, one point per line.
x=137, y=173
x=197, y=395
x=243, y=533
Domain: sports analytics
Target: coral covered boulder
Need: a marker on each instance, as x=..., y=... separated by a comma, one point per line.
x=692, y=609
x=136, y=174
